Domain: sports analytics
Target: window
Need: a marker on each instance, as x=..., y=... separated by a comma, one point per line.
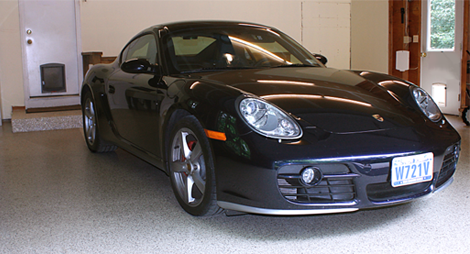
x=271, y=51
x=143, y=47
x=222, y=48
x=441, y=25
x=191, y=46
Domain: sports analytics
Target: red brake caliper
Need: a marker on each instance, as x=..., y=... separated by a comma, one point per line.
x=191, y=145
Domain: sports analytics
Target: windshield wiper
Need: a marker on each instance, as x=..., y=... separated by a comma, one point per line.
x=227, y=68
x=295, y=65
x=208, y=69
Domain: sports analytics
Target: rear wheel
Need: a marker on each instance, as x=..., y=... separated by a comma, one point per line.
x=466, y=116
x=191, y=168
x=90, y=126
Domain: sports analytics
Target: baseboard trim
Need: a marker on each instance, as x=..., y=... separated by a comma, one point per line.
x=52, y=109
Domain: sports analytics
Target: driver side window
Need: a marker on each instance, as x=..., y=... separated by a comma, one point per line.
x=144, y=47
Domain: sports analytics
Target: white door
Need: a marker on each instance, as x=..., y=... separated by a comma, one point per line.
x=51, y=63
x=442, y=48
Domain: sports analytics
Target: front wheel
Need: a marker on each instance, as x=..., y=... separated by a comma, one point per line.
x=466, y=116
x=191, y=168
x=90, y=126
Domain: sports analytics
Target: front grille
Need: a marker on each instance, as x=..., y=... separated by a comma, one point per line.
x=337, y=185
x=381, y=192
x=448, y=165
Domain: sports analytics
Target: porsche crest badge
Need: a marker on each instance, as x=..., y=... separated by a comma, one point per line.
x=378, y=117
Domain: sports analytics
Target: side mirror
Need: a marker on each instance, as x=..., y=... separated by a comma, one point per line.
x=139, y=66
x=321, y=58
x=156, y=82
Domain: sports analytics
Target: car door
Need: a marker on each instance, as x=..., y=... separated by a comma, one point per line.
x=134, y=99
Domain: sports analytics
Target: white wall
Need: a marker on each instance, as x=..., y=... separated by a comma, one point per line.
x=321, y=26
x=369, y=35
x=327, y=29
x=103, y=30
x=11, y=70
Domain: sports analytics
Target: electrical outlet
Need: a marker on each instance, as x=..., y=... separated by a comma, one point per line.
x=406, y=39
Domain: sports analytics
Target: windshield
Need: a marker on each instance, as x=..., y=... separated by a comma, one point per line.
x=235, y=47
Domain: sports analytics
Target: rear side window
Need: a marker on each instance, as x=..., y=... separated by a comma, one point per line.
x=144, y=47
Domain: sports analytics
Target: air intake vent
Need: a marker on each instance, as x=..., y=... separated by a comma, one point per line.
x=337, y=185
x=448, y=165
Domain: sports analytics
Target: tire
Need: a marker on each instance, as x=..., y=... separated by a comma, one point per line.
x=466, y=116
x=90, y=127
x=191, y=168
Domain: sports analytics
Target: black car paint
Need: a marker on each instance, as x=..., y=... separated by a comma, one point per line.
x=247, y=163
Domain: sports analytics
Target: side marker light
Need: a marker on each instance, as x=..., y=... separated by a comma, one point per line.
x=215, y=135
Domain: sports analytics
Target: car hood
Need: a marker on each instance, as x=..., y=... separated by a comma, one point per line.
x=335, y=100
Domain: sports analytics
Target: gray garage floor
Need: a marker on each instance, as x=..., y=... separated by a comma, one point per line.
x=57, y=197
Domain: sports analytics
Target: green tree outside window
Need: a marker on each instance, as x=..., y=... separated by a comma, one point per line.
x=442, y=24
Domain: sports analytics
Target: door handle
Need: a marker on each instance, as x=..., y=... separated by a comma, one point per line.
x=111, y=89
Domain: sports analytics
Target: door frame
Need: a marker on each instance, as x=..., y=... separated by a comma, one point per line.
x=50, y=101
x=458, y=46
x=464, y=102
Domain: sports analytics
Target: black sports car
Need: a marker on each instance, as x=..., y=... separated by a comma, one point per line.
x=243, y=118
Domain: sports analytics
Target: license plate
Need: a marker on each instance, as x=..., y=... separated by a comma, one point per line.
x=412, y=169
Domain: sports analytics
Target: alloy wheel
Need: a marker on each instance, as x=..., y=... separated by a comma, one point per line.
x=188, y=167
x=90, y=122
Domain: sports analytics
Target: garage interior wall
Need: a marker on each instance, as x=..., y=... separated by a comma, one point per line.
x=369, y=35
x=322, y=26
x=11, y=65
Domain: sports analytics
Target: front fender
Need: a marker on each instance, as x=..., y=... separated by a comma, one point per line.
x=94, y=82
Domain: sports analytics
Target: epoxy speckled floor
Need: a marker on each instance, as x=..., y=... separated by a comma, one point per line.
x=57, y=197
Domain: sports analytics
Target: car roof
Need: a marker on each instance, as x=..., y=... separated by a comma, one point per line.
x=182, y=25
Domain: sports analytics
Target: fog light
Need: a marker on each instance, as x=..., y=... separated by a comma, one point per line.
x=310, y=176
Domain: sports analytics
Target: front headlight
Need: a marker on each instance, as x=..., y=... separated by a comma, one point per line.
x=426, y=104
x=268, y=120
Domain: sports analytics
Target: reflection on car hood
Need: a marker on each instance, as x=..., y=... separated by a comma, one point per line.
x=334, y=100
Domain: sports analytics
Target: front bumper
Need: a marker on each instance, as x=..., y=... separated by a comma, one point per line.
x=349, y=184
